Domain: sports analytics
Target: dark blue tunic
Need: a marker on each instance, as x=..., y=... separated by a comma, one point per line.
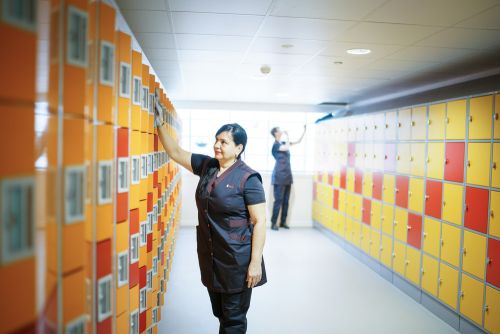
x=282, y=172
x=224, y=231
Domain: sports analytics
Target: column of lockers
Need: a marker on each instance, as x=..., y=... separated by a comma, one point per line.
x=17, y=170
x=417, y=189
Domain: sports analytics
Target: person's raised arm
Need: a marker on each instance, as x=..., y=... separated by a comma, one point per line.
x=258, y=218
x=173, y=149
x=301, y=137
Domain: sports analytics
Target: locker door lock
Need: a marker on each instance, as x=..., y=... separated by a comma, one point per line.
x=470, y=118
x=492, y=214
x=496, y=116
x=468, y=163
x=494, y=165
x=465, y=251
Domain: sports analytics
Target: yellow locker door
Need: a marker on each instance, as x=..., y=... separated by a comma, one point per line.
x=356, y=233
x=403, y=158
x=367, y=184
x=350, y=179
x=474, y=254
x=432, y=236
x=358, y=205
x=419, y=123
x=341, y=227
x=375, y=244
x=478, y=163
x=448, y=285
x=386, y=251
x=391, y=125
x=436, y=121
x=349, y=204
x=387, y=219
x=430, y=275
x=495, y=165
x=348, y=229
x=450, y=244
x=455, y=119
x=365, y=238
x=472, y=299
x=416, y=195
x=480, y=117
x=399, y=256
x=401, y=224
x=342, y=201
x=496, y=117
x=388, y=194
x=494, y=229
x=435, y=160
x=492, y=310
x=413, y=265
x=452, y=203
x=404, y=124
x=417, y=159
x=376, y=215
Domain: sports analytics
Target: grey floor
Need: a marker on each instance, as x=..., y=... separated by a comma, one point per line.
x=314, y=286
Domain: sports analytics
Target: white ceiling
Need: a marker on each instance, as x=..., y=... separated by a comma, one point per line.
x=212, y=50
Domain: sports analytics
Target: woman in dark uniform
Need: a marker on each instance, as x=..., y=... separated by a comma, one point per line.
x=231, y=223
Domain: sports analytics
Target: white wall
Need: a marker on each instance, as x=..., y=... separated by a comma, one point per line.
x=299, y=212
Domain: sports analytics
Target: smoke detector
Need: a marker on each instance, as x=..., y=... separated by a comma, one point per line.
x=265, y=69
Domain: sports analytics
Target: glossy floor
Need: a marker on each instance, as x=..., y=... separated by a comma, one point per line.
x=314, y=286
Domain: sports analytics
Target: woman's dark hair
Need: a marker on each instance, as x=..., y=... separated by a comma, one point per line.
x=274, y=130
x=239, y=137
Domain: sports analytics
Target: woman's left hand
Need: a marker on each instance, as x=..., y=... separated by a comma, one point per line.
x=254, y=274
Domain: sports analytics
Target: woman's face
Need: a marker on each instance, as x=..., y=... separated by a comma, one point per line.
x=224, y=148
x=278, y=134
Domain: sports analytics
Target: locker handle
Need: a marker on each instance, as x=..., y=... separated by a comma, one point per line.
x=381, y=249
x=494, y=165
x=375, y=127
x=488, y=260
x=385, y=157
x=427, y=197
x=466, y=207
x=468, y=163
x=423, y=271
x=428, y=160
x=393, y=254
x=412, y=123
x=442, y=242
x=496, y=116
x=366, y=127
x=492, y=214
x=408, y=227
x=486, y=308
x=386, y=126
x=407, y=262
x=411, y=159
x=429, y=122
x=409, y=194
x=440, y=281
x=425, y=235
x=465, y=251
x=395, y=222
x=447, y=120
x=462, y=294
x=398, y=157
x=397, y=190
x=470, y=118
x=446, y=161
x=399, y=124
x=444, y=203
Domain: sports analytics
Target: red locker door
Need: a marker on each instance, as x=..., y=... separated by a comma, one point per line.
x=493, y=267
x=433, y=198
x=377, y=185
x=414, y=230
x=476, y=209
x=336, y=199
x=390, y=157
x=402, y=183
x=103, y=261
x=367, y=209
x=454, y=162
x=343, y=177
x=358, y=181
x=330, y=178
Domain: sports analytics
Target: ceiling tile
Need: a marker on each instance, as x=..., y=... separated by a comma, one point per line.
x=147, y=21
x=254, y=7
x=212, y=42
x=161, y=54
x=325, y=9
x=387, y=33
x=442, y=13
x=430, y=54
x=463, y=38
x=275, y=59
x=209, y=56
x=489, y=19
x=302, y=28
x=299, y=46
x=216, y=24
x=392, y=65
x=155, y=40
x=141, y=5
x=165, y=65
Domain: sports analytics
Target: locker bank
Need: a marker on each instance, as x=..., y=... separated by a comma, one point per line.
x=399, y=170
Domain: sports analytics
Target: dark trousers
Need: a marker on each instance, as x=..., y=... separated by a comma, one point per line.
x=281, y=197
x=231, y=309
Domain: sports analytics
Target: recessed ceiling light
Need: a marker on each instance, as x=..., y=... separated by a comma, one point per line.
x=338, y=62
x=287, y=46
x=359, y=51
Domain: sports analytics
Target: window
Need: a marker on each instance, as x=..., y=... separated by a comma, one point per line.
x=155, y=161
x=123, y=175
x=158, y=299
x=155, y=265
x=74, y=205
x=134, y=248
x=145, y=95
x=150, y=280
x=143, y=230
x=104, y=182
x=155, y=315
x=21, y=13
x=136, y=171
x=155, y=214
x=150, y=163
x=142, y=300
x=104, y=298
x=144, y=166
x=150, y=222
x=17, y=225
x=107, y=63
x=149, y=330
x=136, y=97
x=125, y=80
x=162, y=285
x=77, y=326
x=134, y=322
x=122, y=268
x=151, y=101
x=77, y=37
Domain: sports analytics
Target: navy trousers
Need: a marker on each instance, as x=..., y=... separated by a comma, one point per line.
x=281, y=197
x=231, y=309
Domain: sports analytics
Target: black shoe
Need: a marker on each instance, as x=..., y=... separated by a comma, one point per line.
x=274, y=227
x=285, y=226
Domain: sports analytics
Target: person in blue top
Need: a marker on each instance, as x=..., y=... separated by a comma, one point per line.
x=231, y=223
x=282, y=178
